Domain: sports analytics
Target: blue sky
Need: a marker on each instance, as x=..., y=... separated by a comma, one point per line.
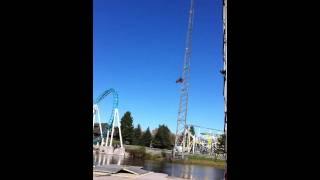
x=138, y=49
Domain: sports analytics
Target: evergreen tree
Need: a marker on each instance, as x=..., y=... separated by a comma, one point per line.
x=137, y=135
x=192, y=130
x=162, y=138
x=172, y=139
x=221, y=143
x=146, y=138
x=127, y=127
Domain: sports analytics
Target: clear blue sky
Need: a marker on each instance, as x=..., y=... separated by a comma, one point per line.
x=138, y=49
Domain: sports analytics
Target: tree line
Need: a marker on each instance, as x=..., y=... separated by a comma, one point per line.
x=160, y=137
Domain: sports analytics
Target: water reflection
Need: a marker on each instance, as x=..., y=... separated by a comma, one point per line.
x=187, y=171
x=101, y=159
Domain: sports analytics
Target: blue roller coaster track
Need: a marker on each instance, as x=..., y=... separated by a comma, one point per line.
x=115, y=106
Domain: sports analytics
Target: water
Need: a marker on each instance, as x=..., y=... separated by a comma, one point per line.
x=187, y=171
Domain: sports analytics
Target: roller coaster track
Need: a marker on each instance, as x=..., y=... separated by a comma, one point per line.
x=115, y=106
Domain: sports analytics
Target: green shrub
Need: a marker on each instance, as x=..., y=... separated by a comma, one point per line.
x=163, y=154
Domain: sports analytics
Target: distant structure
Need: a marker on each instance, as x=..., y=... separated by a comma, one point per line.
x=205, y=140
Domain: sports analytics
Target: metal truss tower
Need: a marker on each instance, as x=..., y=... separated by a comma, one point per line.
x=180, y=140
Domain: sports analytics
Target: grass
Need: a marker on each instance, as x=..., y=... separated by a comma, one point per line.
x=202, y=160
x=156, y=157
x=140, y=152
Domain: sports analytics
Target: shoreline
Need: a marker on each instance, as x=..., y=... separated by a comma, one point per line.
x=217, y=164
x=161, y=156
x=213, y=163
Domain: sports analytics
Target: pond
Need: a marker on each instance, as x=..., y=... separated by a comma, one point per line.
x=188, y=171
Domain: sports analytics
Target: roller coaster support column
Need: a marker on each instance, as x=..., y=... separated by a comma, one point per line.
x=107, y=140
x=116, y=119
x=100, y=125
x=193, y=143
x=96, y=112
x=119, y=125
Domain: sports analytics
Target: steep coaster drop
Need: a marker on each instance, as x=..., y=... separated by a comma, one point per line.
x=102, y=142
